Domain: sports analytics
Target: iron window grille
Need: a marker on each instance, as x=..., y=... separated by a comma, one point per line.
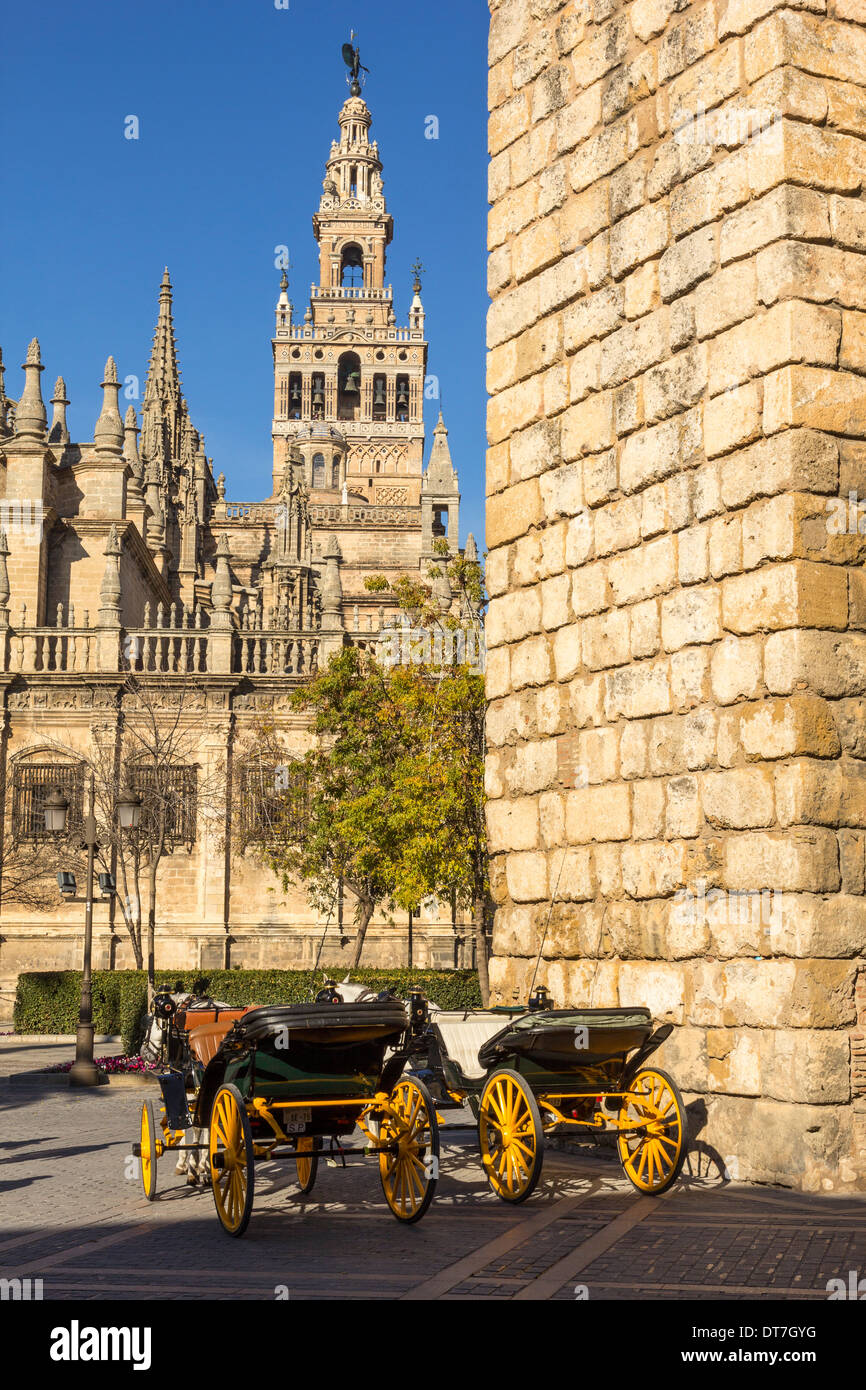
x=168, y=795
x=31, y=784
x=273, y=796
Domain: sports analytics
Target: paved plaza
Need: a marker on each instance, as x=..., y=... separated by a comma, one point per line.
x=72, y=1214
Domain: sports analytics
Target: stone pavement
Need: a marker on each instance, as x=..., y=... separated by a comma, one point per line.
x=72, y=1213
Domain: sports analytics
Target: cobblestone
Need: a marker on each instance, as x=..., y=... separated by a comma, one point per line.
x=72, y=1213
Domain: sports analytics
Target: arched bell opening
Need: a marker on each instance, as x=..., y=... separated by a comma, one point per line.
x=402, y=398
x=380, y=396
x=352, y=266
x=295, y=395
x=349, y=386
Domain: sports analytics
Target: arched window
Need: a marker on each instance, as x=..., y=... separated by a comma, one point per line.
x=352, y=265
x=335, y=473
x=32, y=782
x=348, y=386
x=318, y=470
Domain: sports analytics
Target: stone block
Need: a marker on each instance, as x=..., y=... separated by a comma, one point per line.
x=831, y=663
x=526, y=876
x=796, y=461
x=648, y=813
x=740, y=799
x=689, y=616
x=637, y=691
x=785, y=595
x=786, y=211
x=512, y=825
x=815, y=398
x=795, y=861
x=800, y=726
x=597, y=814
x=647, y=570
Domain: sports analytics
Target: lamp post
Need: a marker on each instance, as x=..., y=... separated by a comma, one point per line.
x=84, y=1071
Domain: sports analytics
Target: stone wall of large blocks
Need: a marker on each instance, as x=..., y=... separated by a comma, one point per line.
x=677, y=628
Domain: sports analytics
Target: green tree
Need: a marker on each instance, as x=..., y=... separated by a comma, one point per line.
x=440, y=811
x=349, y=833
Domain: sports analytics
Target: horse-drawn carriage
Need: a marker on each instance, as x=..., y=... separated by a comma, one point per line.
x=277, y=1083
x=533, y=1073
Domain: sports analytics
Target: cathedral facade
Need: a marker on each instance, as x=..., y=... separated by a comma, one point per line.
x=124, y=556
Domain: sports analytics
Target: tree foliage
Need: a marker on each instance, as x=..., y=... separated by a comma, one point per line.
x=395, y=783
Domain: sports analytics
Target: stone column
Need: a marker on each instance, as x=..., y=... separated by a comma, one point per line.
x=108, y=637
x=332, y=601
x=676, y=649
x=221, y=627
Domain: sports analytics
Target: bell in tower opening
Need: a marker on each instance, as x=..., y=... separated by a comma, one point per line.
x=352, y=265
x=349, y=386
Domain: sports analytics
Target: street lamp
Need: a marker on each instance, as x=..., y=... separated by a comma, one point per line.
x=55, y=807
x=84, y=1071
x=128, y=809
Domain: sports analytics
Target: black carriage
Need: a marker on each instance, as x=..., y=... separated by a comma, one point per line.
x=528, y=1073
x=281, y=1082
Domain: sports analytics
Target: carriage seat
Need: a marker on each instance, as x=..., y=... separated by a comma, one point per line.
x=461, y=1035
x=205, y=1038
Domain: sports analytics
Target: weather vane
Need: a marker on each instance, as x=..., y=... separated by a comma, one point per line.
x=417, y=271
x=352, y=59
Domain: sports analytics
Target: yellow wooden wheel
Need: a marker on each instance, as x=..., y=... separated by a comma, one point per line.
x=510, y=1136
x=230, y=1149
x=409, y=1172
x=652, y=1156
x=307, y=1163
x=149, y=1151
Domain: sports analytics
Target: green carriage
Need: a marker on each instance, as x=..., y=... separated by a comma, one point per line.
x=292, y=1082
x=532, y=1073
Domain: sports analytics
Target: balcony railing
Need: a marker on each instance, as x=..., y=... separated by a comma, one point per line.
x=175, y=641
x=351, y=292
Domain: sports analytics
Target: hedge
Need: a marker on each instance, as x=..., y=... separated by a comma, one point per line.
x=46, y=1001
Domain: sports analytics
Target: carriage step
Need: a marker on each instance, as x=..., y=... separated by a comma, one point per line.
x=136, y=1151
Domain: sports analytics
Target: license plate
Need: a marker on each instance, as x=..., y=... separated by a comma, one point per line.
x=296, y=1121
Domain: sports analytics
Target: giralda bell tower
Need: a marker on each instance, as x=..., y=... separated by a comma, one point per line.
x=349, y=382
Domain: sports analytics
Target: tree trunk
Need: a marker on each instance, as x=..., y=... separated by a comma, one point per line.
x=481, y=950
x=135, y=938
x=366, y=906
x=131, y=913
x=151, y=939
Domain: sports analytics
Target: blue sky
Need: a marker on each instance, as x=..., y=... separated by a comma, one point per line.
x=237, y=105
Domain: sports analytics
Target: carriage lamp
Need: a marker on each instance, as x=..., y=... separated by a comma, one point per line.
x=540, y=999
x=128, y=809
x=66, y=884
x=107, y=885
x=55, y=808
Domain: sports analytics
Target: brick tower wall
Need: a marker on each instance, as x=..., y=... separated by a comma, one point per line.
x=677, y=627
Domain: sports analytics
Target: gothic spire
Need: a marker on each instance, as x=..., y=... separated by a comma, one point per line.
x=108, y=434
x=163, y=375
x=59, y=432
x=30, y=417
x=440, y=468
x=4, y=403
